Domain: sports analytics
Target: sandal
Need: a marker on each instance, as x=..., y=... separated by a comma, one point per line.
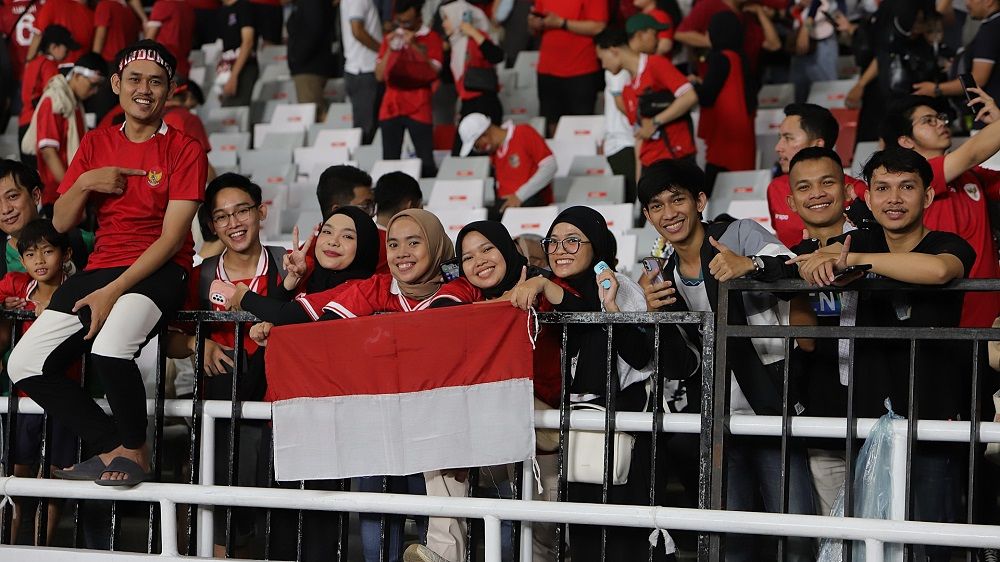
x=129, y=467
x=90, y=469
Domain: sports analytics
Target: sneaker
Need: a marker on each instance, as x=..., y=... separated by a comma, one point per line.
x=990, y=555
x=420, y=553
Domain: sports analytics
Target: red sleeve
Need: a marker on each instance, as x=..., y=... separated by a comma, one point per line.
x=668, y=76
x=360, y=299
x=47, y=70
x=196, y=129
x=536, y=145
x=8, y=286
x=435, y=47
x=595, y=11
x=383, y=47
x=459, y=290
x=102, y=15
x=315, y=303
x=79, y=165
x=44, y=16
x=697, y=18
x=664, y=17
x=860, y=187
x=774, y=202
x=160, y=12
x=192, y=167
x=989, y=180
x=939, y=184
x=48, y=131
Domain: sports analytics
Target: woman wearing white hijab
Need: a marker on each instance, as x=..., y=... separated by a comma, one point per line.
x=473, y=56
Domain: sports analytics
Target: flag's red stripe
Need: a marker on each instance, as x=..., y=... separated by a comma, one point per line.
x=402, y=352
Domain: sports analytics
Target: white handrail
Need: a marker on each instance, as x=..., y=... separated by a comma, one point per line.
x=871, y=531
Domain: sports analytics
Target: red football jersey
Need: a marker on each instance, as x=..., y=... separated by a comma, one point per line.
x=315, y=303
x=416, y=103
x=657, y=74
x=175, y=19
x=19, y=30
x=564, y=53
x=37, y=73
x=74, y=16
x=380, y=293
x=123, y=26
x=518, y=158
x=53, y=130
x=188, y=123
x=176, y=168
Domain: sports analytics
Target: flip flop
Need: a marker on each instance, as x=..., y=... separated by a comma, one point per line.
x=129, y=467
x=89, y=469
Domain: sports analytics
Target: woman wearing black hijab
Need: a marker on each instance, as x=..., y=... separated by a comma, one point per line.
x=577, y=241
x=346, y=249
x=490, y=261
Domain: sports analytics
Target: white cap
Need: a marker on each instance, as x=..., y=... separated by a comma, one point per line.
x=470, y=129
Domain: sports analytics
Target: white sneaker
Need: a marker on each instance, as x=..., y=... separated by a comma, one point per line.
x=420, y=553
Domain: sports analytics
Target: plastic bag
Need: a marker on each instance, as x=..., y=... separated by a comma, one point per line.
x=872, y=489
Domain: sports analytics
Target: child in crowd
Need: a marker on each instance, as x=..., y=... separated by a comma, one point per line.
x=45, y=255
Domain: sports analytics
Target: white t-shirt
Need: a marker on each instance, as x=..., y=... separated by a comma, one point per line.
x=697, y=301
x=358, y=58
x=617, y=130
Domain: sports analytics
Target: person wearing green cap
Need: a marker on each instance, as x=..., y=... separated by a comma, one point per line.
x=643, y=32
x=664, y=37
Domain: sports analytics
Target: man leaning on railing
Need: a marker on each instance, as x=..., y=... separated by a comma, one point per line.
x=705, y=254
x=902, y=248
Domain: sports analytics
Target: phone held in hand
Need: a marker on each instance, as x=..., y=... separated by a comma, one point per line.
x=851, y=273
x=451, y=270
x=654, y=267
x=969, y=82
x=598, y=269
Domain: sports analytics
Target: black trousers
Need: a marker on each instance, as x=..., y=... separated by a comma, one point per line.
x=422, y=135
x=39, y=362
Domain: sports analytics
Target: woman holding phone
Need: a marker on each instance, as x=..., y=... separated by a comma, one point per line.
x=578, y=244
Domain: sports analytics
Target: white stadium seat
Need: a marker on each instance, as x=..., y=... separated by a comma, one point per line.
x=529, y=220
x=775, y=96
x=596, y=190
x=261, y=130
x=456, y=194
x=590, y=166
x=470, y=167
x=572, y=127
x=566, y=149
x=349, y=139
x=229, y=142
x=410, y=167
x=453, y=220
x=295, y=114
x=340, y=115
x=830, y=94
x=619, y=217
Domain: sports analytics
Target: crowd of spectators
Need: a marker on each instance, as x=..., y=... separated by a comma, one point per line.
x=99, y=225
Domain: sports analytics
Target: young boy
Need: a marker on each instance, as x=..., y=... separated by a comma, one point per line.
x=58, y=126
x=144, y=183
x=45, y=256
x=56, y=43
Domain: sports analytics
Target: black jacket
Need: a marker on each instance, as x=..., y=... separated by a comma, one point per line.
x=310, y=37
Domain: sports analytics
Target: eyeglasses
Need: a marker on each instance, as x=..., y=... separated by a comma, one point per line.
x=368, y=207
x=569, y=245
x=933, y=119
x=242, y=215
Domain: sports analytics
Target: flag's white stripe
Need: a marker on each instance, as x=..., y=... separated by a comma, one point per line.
x=365, y=435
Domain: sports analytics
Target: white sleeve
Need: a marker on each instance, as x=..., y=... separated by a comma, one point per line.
x=542, y=177
x=630, y=298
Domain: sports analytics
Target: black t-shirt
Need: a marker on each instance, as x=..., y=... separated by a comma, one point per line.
x=943, y=368
x=985, y=47
x=818, y=371
x=232, y=20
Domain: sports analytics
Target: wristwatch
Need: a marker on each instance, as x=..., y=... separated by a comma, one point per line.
x=565, y=24
x=758, y=267
x=937, y=90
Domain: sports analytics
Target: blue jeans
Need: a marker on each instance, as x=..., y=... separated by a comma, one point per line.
x=371, y=523
x=753, y=467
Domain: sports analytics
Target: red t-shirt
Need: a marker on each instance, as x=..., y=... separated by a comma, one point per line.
x=188, y=123
x=658, y=74
x=176, y=21
x=75, y=17
x=37, y=73
x=563, y=53
x=314, y=303
x=380, y=293
x=416, y=103
x=18, y=29
x=204, y=4
x=176, y=169
x=53, y=131
x=961, y=207
x=518, y=159
x=786, y=222
x=123, y=26
x=727, y=125
x=753, y=35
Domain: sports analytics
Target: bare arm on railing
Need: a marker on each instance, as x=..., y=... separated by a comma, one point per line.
x=821, y=266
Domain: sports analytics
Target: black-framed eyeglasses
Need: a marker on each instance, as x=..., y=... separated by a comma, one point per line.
x=569, y=245
x=368, y=207
x=242, y=215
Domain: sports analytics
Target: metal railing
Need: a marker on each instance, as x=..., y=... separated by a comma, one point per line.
x=713, y=425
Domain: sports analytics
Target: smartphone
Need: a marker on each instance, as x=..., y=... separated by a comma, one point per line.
x=851, y=273
x=969, y=82
x=451, y=270
x=537, y=14
x=654, y=267
x=467, y=16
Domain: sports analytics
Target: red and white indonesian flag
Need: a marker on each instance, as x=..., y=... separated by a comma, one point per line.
x=401, y=393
